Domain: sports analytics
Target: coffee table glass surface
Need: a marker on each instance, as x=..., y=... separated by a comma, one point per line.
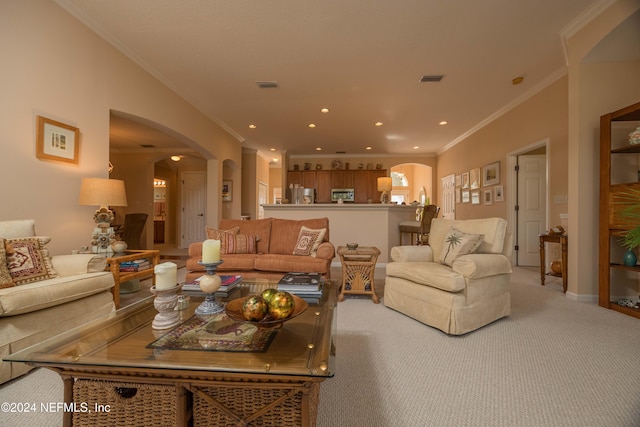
x=303, y=346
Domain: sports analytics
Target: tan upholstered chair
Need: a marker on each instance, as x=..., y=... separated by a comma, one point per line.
x=421, y=226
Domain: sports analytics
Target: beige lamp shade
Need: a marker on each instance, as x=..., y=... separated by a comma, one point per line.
x=102, y=192
x=384, y=183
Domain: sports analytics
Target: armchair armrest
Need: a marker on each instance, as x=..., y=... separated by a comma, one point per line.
x=70, y=265
x=326, y=250
x=476, y=266
x=195, y=250
x=412, y=253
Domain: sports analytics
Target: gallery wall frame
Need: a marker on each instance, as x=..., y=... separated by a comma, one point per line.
x=488, y=197
x=474, y=178
x=491, y=174
x=475, y=197
x=57, y=141
x=499, y=193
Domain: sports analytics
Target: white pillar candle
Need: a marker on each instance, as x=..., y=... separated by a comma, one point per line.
x=211, y=251
x=166, y=275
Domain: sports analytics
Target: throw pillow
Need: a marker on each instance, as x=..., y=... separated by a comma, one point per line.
x=213, y=233
x=238, y=243
x=458, y=243
x=29, y=260
x=308, y=241
x=6, y=281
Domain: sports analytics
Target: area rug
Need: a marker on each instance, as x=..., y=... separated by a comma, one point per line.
x=216, y=333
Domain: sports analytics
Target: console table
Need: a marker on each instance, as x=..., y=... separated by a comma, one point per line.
x=113, y=263
x=554, y=238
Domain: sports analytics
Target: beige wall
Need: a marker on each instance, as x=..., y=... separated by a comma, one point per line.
x=543, y=116
x=61, y=70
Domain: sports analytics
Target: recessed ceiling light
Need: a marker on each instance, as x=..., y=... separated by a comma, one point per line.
x=276, y=160
x=252, y=126
x=318, y=149
x=442, y=123
x=176, y=158
x=312, y=125
x=378, y=124
x=272, y=149
x=368, y=148
x=324, y=110
x=415, y=147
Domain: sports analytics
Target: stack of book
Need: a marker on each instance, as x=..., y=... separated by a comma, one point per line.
x=228, y=284
x=136, y=265
x=304, y=285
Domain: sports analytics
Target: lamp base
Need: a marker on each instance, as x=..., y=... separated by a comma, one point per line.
x=384, y=198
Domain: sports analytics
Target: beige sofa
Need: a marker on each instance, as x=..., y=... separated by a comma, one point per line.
x=32, y=312
x=471, y=292
x=273, y=256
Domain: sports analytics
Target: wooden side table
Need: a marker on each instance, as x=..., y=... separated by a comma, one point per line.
x=358, y=268
x=554, y=238
x=113, y=264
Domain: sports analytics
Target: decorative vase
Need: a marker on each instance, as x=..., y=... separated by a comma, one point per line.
x=634, y=137
x=630, y=258
x=119, y=246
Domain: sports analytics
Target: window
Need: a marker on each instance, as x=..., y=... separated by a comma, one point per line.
x=399, y=180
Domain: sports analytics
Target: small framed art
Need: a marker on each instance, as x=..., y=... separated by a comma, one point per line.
x=499, y=193
x=474, y=178
x=57, y=141
x=488, y=197
x=227, y=191
x=475, y=197
x=491, y=174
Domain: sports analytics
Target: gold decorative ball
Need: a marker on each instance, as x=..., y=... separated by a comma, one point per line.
x=556, y=267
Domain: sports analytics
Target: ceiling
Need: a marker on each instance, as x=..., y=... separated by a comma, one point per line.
x=363, y=60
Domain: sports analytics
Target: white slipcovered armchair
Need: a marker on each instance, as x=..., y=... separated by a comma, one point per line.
x=459, y=282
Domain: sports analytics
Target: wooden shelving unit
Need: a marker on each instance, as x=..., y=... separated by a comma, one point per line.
x=619, y=172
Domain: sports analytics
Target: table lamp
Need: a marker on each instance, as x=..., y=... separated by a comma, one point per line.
x=103, y=193
x=384, y=185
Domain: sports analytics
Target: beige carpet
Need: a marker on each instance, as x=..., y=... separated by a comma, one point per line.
x=553, y=362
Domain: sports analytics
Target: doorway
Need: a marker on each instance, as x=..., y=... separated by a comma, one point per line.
x=528, y=189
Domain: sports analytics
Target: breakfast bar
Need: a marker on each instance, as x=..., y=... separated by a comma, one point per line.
x=368, y=224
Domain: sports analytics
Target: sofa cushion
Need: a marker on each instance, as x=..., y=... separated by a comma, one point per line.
x=17, y=228
x=287, y=231
x=428, y=274
x=290, y=264
x=308, y=241
x=238, y=243
x=458, y=243
x=234, y=262
x=50, y=292
x=214, y=233
x=494, y=230
x=6, y=281
x=28, y=259
x=259, y=227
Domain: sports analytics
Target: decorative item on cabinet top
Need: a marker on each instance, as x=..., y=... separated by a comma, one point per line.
x=336, y=164
x=634, y=137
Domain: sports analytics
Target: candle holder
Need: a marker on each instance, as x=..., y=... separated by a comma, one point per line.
x=165, y=303
x=209, y=284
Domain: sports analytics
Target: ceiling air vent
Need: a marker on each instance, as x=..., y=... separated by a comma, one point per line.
x=431, y=79
x=147, y=146
x=267, y=84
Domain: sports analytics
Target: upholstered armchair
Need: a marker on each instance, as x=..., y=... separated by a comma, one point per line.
x=459, y=282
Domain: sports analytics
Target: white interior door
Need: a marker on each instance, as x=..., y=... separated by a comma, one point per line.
x=448, y=205
x=532, y=207
x=193, y=207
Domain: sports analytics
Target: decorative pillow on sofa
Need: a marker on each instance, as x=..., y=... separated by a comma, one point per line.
x=308, y=241
x=213, y=233
x=457, y=243
x=28, y=260
x=6, y=281
x=238, y=243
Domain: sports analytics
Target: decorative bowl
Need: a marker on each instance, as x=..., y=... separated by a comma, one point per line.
x=234, y=311
x=352, y=246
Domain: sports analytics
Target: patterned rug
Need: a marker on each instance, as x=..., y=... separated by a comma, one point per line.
x=215, y=333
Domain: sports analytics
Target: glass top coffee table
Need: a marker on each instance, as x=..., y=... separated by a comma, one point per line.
x=209, y=370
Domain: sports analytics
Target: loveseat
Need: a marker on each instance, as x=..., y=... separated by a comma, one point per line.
x=459, y=282
x=41, y=296
x=268, y=248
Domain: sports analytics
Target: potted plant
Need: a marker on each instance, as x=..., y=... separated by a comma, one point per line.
x=631, y=215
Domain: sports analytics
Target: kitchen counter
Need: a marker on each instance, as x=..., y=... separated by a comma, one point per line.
x=368, y=224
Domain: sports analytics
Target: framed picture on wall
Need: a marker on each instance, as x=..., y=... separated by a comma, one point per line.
x=465, y=196
x=227, y=191
x=474, y=178
x=475, y=198
x=491, y=174
x=488, y=197
x=57, y=141
x=465, y=180
x=499, y=193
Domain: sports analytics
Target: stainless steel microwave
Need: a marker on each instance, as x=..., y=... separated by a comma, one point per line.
x=344, y=194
